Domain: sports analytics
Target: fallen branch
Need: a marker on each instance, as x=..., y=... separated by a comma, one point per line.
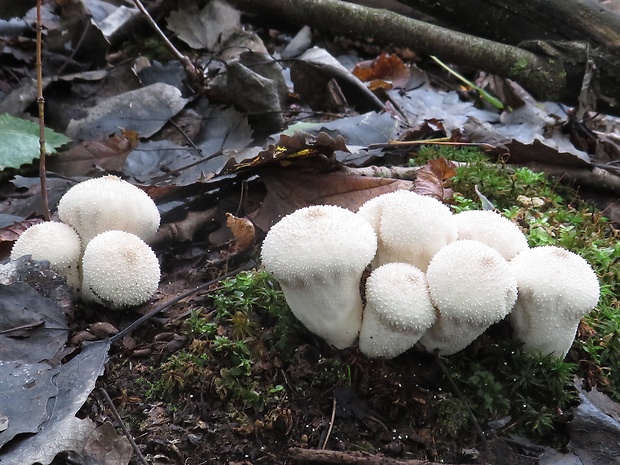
x=350, y=458
x=553, y=72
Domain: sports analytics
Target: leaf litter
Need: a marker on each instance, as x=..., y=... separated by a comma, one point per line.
x=292, y=127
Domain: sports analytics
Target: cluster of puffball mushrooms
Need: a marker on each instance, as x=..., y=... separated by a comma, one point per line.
x=99, y=242
x=438, y=280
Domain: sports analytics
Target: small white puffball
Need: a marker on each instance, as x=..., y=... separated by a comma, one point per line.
x=556, y=288
x=492, y=229
x=108, y=203
x=119, y=270
x=57, y=243
x=410, y=227
x=318, y=255
x=472, y=286
x=398, y=310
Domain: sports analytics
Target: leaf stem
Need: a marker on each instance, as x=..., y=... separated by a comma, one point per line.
x=41, y=105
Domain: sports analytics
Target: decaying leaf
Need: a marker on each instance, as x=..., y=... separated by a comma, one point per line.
x=288, y=191
x=90, y=157
x=431, y=178
x=208, y=28
x=244, y=233
x=143, y=110
x=385, y=71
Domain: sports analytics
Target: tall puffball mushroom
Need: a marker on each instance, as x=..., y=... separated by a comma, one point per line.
x=119, y=270
x=55, y=242
x=398, y=310
x=108, y=203
x=556, y=289
x=491, y=229
x=410, y=227
x=472, y=286
x=318, y=255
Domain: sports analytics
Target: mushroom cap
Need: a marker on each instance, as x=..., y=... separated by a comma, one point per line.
x=398, y=310
x=410, y=227
x=551, y=277
x=318, y=241
x=398, y=294
x=55, y=242
x=108, y=203
x=471, y=282
x=492, y=229
x=119, y=270
x=556, y=288
x=472, y=287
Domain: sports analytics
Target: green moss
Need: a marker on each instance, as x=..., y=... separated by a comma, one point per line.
x=553, y=214
x=225, y=344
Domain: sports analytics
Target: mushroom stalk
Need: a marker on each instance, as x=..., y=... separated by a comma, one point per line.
x=318, y=255
x=556, y=289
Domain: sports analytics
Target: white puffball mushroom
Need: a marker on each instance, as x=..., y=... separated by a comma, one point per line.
x=119, y=270
x=492, y=229
x=556, y=288
x=318, y=255
x=108, y=203
x=55, y=242
x=410, y=227
x=472, y=286
x=398, y=310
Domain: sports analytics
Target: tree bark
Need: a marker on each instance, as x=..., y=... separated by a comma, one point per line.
x=552, y=71
x=515, y=21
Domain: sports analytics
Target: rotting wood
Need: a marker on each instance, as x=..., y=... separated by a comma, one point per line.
x=350, y=458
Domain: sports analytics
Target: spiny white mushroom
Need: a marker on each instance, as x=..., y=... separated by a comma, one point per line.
x=556, y=288
x=410, y=227
x=472, y=287
x=318, y=255
x=398, y=310
x=491, y=229
x=55, y=242
x=119, y=270
x=108, y=203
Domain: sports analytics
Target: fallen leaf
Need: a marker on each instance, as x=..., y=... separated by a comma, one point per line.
x=90, y=157
x=288, y=191
x=431, y=178
x=244, y=233
x=386, y=67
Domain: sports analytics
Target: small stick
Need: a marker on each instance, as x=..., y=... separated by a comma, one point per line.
x=183, y=59
x=118, y=419
x=331, y=424
x=348, y=458
x=41, y=105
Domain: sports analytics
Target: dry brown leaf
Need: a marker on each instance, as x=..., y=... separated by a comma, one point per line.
x=11, y=233
x=244, y=233
x=289, y=191
x=432, y=177
x=89, y=157
x=383, y=68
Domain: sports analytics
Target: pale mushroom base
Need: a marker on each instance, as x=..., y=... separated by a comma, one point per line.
x=378, y=340
x=450, y=336
x=330, y=307
x=551, y=336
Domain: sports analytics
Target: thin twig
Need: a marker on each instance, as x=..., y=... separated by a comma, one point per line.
x=190, y=69
x=140, y=321
x=119, y=420
x=331, y=425
x=41, y=105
